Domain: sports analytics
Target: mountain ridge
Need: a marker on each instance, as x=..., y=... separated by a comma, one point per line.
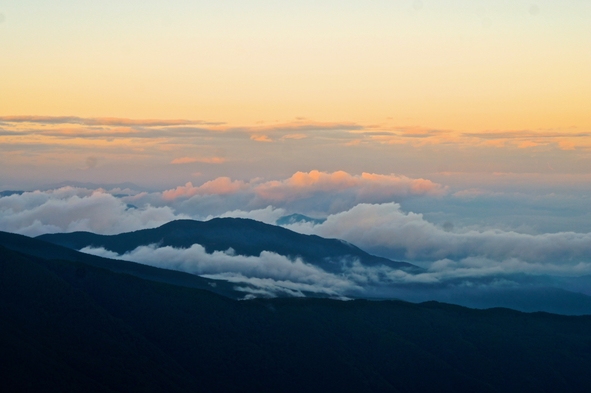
x=245, y=236
x=71, y=327
x=38, y=248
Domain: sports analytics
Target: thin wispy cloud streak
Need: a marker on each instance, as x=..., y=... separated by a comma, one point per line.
x=526, y=134
x=101, y=121
x=69, y=127
x=66, y=127
x=270, y=271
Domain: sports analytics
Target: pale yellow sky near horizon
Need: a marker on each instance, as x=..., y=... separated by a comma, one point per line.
x=458, y=65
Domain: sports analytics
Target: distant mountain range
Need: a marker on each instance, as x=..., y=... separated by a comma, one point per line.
x=72, y=323
x=40, y=249
x=244, y=236
x=248, y=237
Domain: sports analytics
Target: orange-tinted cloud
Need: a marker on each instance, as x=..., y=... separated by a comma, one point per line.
x=565, y=139
x=294, y=136
x=261, y=138
x=526, y=144
x=219, y=186
x=366, y=184
x=206, y=160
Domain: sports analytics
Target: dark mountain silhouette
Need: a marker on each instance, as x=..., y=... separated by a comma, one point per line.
x=250, y=237
x=67, y=326
x=244, y=236
x=39, y=248
x=55, y=338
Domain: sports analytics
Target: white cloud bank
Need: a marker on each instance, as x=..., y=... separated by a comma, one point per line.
x=379, y=228
x=313, y=192
x=80, y=209
x=71, y=209
x=270, y=272
x=386, y=230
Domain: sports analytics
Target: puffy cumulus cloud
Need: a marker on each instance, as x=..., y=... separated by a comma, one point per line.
x=270, y=272
x=366, y=185
x=219, y=186
x=313, y=192
x=70, y=209
x=384, y=229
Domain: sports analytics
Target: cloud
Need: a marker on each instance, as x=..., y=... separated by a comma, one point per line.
x=71, y=209
x=448, y=252
x=323, y=139
x=270, y=271
x=207, y=160
x=4, y=132
x=523, y=139
x=384, y=229
x=526, y=134
x=367, y=186
x=452, y=256
x=101, y=121
x=80, y=127
x=268, y=215
x=219, y=186
x=261, y=138
x=567, y=138
x=299, y=126
x=294, y=136
x=270, y=274
x=313, y=192
x=184, y=160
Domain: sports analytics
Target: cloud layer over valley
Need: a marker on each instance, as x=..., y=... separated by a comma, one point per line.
x=359, y=209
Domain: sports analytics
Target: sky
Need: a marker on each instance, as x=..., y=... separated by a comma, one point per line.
x=466, y=118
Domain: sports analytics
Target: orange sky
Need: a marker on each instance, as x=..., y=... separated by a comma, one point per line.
x=408, y=87
x=469, y=66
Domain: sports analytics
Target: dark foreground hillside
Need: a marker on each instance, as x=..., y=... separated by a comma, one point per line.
x=69, y=326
